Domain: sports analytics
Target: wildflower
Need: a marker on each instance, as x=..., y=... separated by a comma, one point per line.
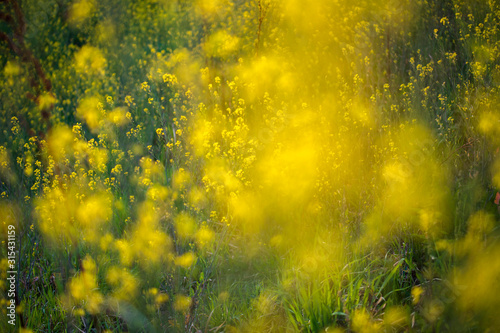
x=119, y=116
x=88, y=110
x=170, y=79
x=80, y=11
x=90, y=59
x=182, y=303
x=186, y=260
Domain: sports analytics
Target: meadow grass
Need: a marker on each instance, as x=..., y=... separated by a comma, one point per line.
x=250, y=165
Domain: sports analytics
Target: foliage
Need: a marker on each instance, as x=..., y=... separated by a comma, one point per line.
x=251, y=165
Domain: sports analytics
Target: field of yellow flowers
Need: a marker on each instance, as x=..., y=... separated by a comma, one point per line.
x=249, y=166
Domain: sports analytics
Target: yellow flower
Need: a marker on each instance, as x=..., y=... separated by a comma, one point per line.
x=170, y=79
x=182, y=303
x=46, y=101
x=90, y=59
x=204, y=236
x=118, y=116
x=186, y=260
x=12, y=69
x=124, y=284
x=88, y=110
x=80, y=11
x=84, y=288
